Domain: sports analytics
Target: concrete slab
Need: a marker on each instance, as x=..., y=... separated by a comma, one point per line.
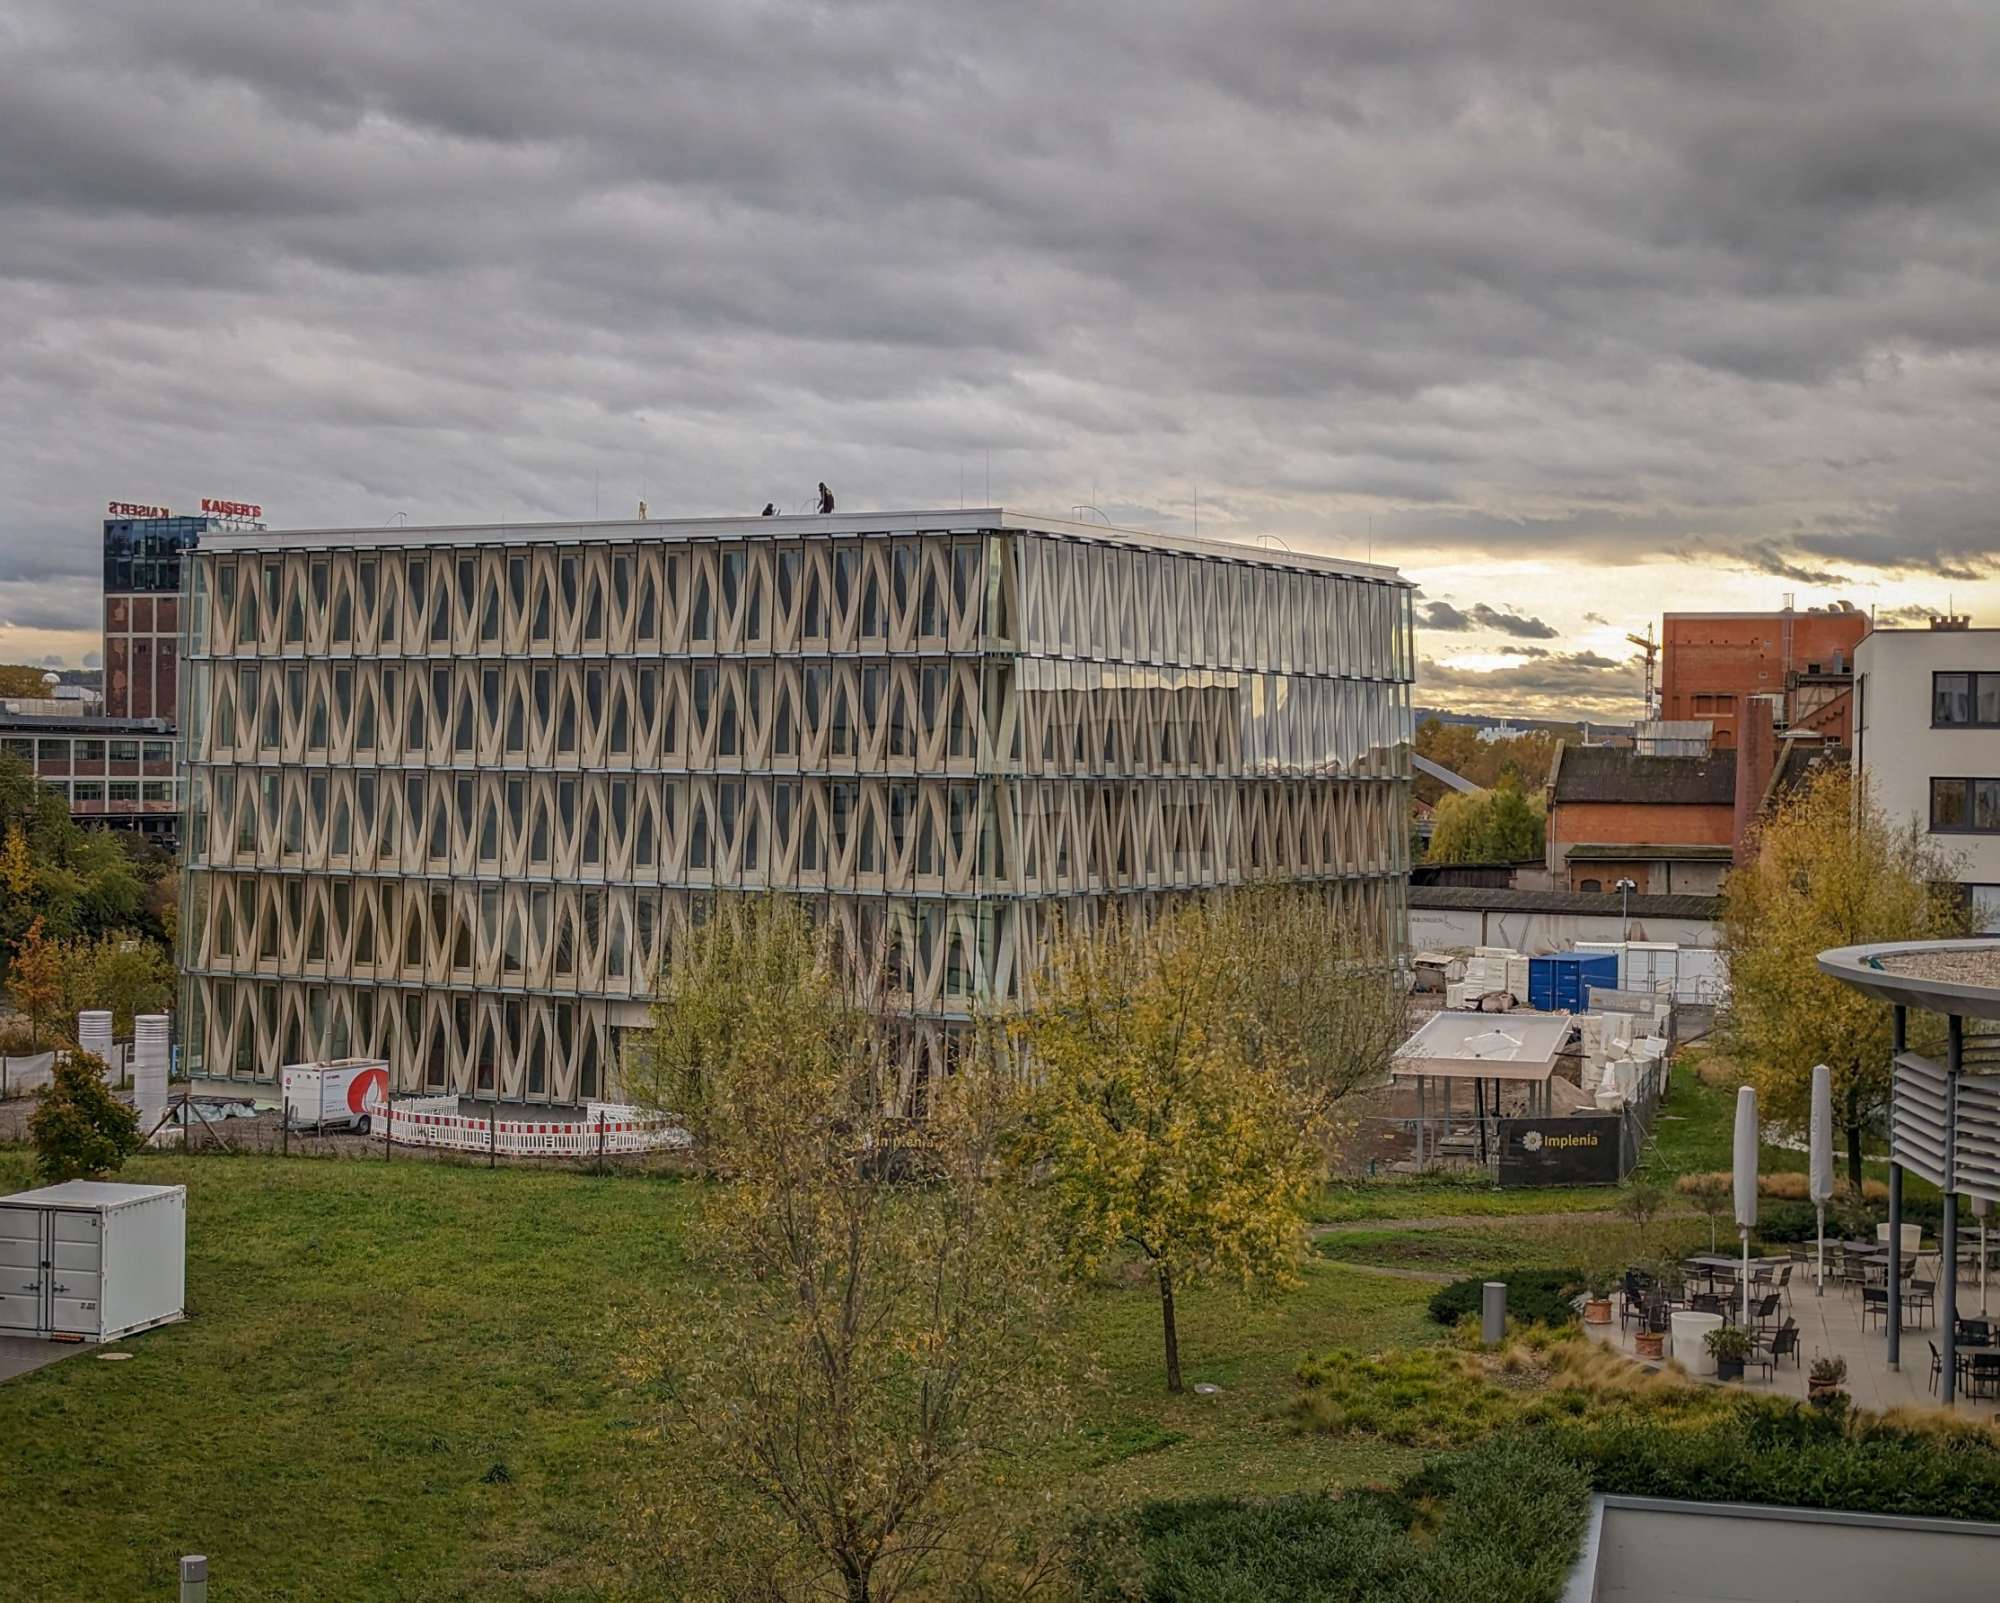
x=19, y=1355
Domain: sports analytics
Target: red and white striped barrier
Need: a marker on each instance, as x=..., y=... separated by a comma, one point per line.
x=616, y=1131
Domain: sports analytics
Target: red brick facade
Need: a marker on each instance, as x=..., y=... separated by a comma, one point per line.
x=1711, y=661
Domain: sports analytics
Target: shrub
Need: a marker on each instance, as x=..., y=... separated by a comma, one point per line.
x=79, y=1129
x=1785, y=1222
x=1500, y=1523
x=1771, y=1450
x=1535, y=1296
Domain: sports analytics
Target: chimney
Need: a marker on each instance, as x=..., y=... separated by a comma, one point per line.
x=1756, y=750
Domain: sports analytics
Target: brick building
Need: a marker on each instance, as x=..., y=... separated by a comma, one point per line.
x=1665, y=823
x=1711, y=663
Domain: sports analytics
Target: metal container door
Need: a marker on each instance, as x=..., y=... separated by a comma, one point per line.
x=76, y=1272
x=24, y=1286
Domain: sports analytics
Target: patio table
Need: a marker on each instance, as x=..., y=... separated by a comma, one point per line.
x=1687, y=1341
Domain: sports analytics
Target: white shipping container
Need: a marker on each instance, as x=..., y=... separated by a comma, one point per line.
x=92, y=1259
x=345, y=1094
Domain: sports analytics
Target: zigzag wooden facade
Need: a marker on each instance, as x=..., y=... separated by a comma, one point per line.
x=452, y=791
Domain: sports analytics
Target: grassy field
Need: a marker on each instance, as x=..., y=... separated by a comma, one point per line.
x=397, y=1382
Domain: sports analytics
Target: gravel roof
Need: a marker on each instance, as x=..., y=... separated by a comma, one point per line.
x=1963, y=965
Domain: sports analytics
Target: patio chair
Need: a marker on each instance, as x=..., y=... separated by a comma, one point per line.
x=1974, y=1332
x=1784, y=1343
x=1765, y=1309
x=1981, y=1374
x=1875, y=1305
x=1937, y=1367
x=1920, y=1296
x=1783, y=1283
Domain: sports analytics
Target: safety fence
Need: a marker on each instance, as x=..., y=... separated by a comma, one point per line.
x=607, y=1130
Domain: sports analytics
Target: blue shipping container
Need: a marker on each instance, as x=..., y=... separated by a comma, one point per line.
x=1558, y=983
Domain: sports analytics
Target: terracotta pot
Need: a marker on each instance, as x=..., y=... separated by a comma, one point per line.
x=1652, y=1343
x=1597, y=1312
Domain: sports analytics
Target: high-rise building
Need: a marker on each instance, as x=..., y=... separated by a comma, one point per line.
x=1711, y=663
x=142, y=621
x=453, y=789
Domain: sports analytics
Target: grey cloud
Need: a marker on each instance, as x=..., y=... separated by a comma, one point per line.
x=1512, y=623
x=1443, y=616
x=1552, y=280
x=1567, y=684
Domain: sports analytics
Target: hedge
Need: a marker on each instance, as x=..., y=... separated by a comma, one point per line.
x=1501, y=1524
x=1534, y=1296
x=1775, y=1451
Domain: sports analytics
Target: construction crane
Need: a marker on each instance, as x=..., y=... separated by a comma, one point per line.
x=1651, y=652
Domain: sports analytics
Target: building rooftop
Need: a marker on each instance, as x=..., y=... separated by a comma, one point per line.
x=1622, y=774
x=965, y=520
x=1601, y=851
x=1479, y=898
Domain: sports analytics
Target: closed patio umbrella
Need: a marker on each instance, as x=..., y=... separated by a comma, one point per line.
x=1822, y=1159
x=1982, y=1210
x=1746, y=1181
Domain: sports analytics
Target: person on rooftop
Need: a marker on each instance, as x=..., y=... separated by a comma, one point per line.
x=825, y=498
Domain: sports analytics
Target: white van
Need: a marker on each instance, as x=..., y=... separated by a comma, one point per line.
x=341, y=1095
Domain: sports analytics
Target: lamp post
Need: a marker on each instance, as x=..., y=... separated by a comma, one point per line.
x=1625, y=888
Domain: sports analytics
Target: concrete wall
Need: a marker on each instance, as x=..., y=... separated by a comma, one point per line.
x=1706, y=1553
x=1535, y=934
x=1901, y=753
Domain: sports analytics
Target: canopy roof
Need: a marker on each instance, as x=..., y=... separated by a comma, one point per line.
x=1961, y=977
x=1485, y=1046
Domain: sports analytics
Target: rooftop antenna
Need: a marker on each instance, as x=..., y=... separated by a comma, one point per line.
x=989, y=475
x=393, y=516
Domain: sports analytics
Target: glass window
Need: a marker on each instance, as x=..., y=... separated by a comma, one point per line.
x=1948, y=803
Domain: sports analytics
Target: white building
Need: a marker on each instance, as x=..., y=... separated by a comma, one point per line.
x=1927, y=738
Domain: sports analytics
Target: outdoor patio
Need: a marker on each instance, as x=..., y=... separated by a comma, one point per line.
x=1833, y=1325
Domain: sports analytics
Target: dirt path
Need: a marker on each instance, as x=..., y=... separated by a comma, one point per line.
x=1460, y=1221
x=1430, y=1277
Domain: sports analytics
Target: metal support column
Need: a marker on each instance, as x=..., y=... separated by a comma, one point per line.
x=1420, y=1124
x=1898, y=1035
x=1948, y=1231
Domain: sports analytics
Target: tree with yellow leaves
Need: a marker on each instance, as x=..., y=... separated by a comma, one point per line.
x=875, y=1323
x=36, y=979
x=1828, y=870
x=1187, y=1073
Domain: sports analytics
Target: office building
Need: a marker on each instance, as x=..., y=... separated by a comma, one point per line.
x=1927, y=741
x=142, y=622
x=453, y=789
x=1712, y=663
x=122, y=773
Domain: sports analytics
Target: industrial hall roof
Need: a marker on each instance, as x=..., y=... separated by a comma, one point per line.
x=1620, y=774
x=1481, y=899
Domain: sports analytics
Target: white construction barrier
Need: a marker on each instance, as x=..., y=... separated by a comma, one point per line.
x=609, y=1130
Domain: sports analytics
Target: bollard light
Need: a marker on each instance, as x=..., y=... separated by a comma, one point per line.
x=194, y=1578
x=1493, y=1313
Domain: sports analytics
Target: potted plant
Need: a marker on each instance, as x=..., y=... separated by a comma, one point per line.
x=1825, y=1378
x=1650, y=1343
x=1598, y=1288
x=1728, y=1346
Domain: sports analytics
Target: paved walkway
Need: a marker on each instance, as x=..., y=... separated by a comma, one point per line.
x=1462, y=1221
x=19, y=1355
x=1831, y=1325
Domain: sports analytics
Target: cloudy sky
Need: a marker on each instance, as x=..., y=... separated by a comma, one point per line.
x=1576, y=311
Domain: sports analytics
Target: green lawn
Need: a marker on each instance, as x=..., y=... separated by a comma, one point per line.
x=397, y=1383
